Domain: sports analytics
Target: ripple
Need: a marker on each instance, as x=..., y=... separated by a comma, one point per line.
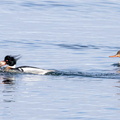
x=32, y=4
x=47, y=4
x=76, y=46
x=89, y=46
x=116, y=65
x=86, y=74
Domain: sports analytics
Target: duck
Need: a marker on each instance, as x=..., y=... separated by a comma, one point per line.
x=116, y=55
x=10, y=62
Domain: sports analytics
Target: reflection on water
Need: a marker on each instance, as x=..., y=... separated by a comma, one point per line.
x=7, y=78
x=9, y=87
x=8, y=94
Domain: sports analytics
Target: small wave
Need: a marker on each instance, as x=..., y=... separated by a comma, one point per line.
x=82, y=46
x=47, y=4
x=76, y=46
x=32, y=4
x=86, y=74
x=116, y=64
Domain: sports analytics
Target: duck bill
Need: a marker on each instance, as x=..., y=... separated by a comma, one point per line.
x=2, y=63
x=115, y=56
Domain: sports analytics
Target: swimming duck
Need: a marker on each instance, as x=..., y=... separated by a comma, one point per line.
x=10, y=63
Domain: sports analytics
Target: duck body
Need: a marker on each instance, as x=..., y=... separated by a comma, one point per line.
x=11, y=62
x=32, y=70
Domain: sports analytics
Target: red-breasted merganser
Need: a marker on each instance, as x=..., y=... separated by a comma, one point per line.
x=117, y=55
x=11, y=61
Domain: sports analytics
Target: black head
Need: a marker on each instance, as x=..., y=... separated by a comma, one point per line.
x=11, y=60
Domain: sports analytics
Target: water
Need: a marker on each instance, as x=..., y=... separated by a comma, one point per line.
x=74, y=38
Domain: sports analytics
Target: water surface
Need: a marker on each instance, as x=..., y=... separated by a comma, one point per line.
x=74, y=38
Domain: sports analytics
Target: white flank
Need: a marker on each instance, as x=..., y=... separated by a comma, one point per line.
x=36, y=70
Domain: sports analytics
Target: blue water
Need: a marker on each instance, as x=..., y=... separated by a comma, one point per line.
x=73, y=37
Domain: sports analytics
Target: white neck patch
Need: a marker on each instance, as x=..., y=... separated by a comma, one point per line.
x=12, y=66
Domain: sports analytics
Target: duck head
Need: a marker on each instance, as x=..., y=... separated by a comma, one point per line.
x=10, y=61
x=117, y=55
